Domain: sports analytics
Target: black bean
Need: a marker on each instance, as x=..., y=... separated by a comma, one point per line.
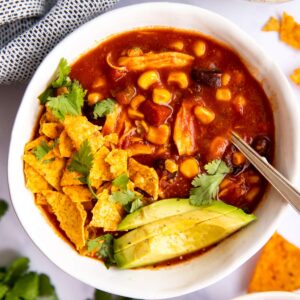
x=207, y=77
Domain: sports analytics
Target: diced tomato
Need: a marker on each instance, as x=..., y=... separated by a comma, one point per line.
x=155, y=114
x=116, y=74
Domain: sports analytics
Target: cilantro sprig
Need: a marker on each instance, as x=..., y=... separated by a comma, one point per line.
x=103, y=248
x=16, y=282
x=43, y=149
x=128, y=199
x=3, y=210
x=82, y=162
x=104, y=108
x=206, y=185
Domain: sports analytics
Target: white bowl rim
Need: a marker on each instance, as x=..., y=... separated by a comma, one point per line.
x=245, y=256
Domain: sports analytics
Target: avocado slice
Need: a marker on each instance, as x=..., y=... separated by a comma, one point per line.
x=158, y=210
x=171, y=243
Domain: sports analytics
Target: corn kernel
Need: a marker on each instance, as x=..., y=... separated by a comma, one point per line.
x=238, y=158
x=93, y=98
x=147, y=79
x=252, y=193
x=136, y=101
x=225, y=79
x=189, y=167
x=177, y=45
x=199, y=48
x=136, y=51
x=158, y=135
x=140, y=149
x=99, y=82
x=253, y=179
x=171, y=165
x=179, y=78
x=161, y=96
x=223, y=94
x=204, y=115
x=134, y=114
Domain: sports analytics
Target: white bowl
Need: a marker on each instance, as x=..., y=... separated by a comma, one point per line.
x=270, y=296
x=230, y=254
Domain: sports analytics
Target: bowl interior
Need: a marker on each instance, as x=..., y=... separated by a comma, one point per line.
x=231, y=253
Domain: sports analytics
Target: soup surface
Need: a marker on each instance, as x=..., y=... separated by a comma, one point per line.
x=153, y=123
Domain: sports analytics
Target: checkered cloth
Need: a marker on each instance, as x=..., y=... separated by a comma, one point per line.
x=29, y=29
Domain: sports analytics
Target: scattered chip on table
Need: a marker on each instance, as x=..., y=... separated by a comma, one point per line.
x=272, y=24
x=106, y=214
x=71, y=216
x=34, y=181
x=290, y=31
x=117, y=159
x=296, y=76
x=144, y=177
x=78, y=193
x=278, y=268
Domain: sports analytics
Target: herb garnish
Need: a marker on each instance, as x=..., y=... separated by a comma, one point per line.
x=43, y=149
x=104, y=108
x=103, y=245
x=63, y=74
x=3, y=210
x=206, y=186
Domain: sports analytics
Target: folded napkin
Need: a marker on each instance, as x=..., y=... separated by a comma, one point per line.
x=29, y=29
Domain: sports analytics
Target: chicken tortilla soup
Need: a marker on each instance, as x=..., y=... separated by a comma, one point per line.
x=131, y=160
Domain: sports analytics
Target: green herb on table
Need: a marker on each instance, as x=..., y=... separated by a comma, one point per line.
x=16, y=282
x=82, y=162
x=100, y=295
x=3, y=210
x=206, y=185
x=104, y=108
x=103, y=248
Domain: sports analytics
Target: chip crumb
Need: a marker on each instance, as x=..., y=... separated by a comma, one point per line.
x=296, y=76
x=278, y=268
x=272, y=25
x=290, y=31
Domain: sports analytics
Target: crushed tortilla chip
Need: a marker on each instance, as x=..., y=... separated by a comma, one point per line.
x=78, y=193
x=34, y=181
x=143, y=177
x=272, y=25
x=33, y=144
x=106, y=214
x=65, y=145
x=100, y=170
x=71, y=216
x=70, y=178
x=80, y=129
x=52, y=170
x=40, y=199
x=296, y=76
x=278, y=268
x=111, y=139
x=51, y=130
x=117, y=159
x=290, y=31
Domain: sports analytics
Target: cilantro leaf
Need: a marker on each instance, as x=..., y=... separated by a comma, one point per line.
x=16, y=269
x=42, y=150
x=3, y=290
x=123, y=197
x=46, y=289
x=68, y=104
x=104, y=246
x=100, y=295
x=135, y=205
x=43, y=97
x=3, y=208
x=121, y=181
x=104, y=108
x=63, y=74
x=206, y=186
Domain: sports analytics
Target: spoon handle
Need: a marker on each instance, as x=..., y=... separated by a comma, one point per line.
x=278, y=181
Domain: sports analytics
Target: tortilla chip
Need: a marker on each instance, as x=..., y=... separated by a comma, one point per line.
x=70, y=178
x=106, y=214
x=296, y=76
x=290, y=31
x=80, y=129
x=100, y=170
x=51, y=130
x=40, y=199
x=49, y=116
x=278, y=268
x=78, y=193
x=117, y=160
x=36, y=142
x=143, y=177
x=52, y=170
x=71, y=216
x=65, y=145
x=272, y=25
x=34, y=181
x=111, y=139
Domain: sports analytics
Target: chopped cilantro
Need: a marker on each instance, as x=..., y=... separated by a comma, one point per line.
x=63, y=74
x=128, y=199
x=206, y=186
x=104, y=108
x=3, y=208
x=121, y=181
x=68, y=104
x=42, y=150
x=104, y=248
x=135, y=205
x=43, y=97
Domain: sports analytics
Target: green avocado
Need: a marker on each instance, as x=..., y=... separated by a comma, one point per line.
x=177, y=235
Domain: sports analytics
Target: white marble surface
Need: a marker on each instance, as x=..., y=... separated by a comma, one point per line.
x=14, y=241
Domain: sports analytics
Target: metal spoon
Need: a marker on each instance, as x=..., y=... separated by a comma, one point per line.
x=278, y=181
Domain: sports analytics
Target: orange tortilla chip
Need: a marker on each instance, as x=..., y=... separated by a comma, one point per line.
x=34, y=181
x=51, y=130
x=78, y=193
x=71, y=216
x=296, y=76
x=70, y=178
x=290, y=31
x=272, y=25
x=278, y=268
x=117, y=159
x=65, y=145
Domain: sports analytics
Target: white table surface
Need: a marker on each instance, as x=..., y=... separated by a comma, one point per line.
x=14, y=240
